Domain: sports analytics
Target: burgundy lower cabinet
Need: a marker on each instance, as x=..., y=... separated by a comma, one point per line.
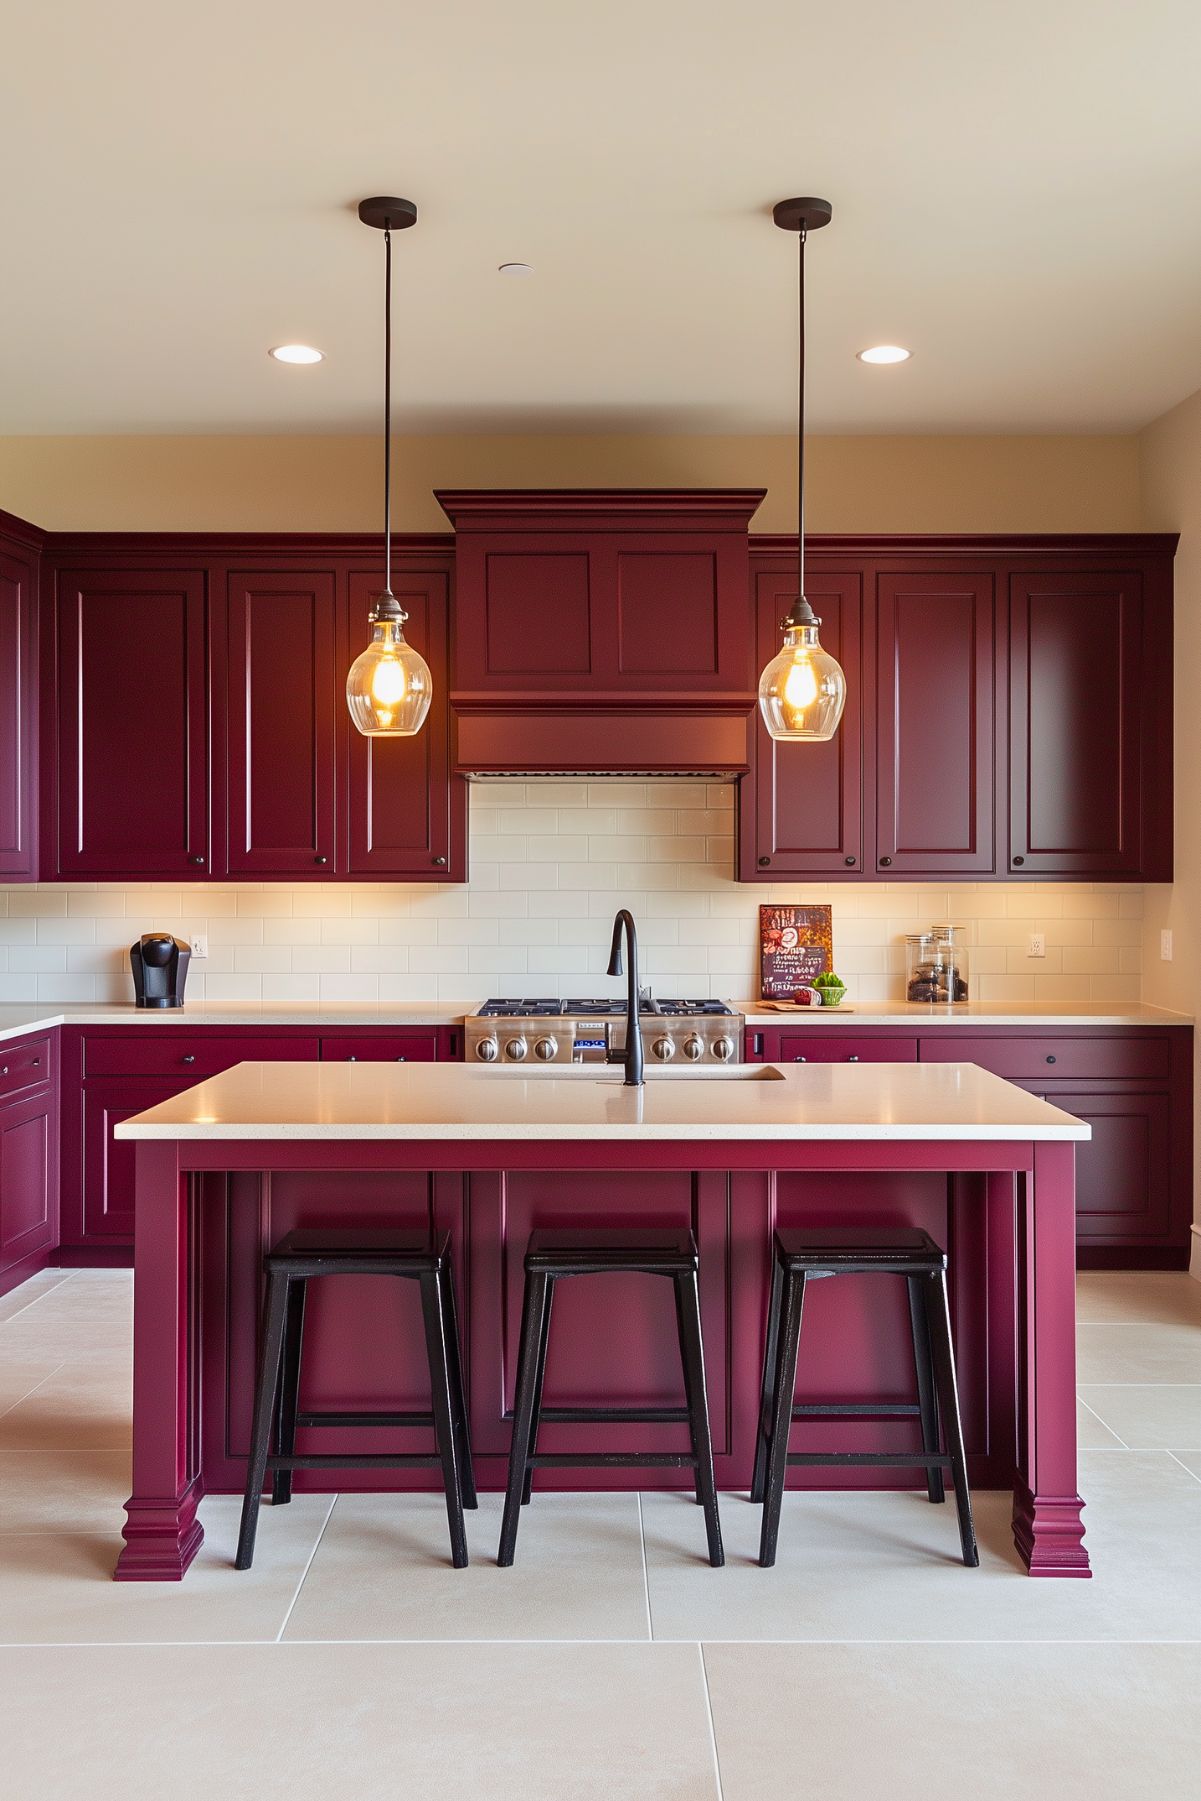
x=28, y=1158
x=1133, y=1178
x=108, y=1076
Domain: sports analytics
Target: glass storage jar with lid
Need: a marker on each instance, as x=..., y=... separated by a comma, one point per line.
x=936, y=965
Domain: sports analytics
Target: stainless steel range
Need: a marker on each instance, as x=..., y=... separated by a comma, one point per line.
x=586, y=1031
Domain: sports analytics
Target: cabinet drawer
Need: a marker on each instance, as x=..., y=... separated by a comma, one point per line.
x=405, y=1047
x=1135, y=1059
x=24, y=1065
x=837, y=1047
x=169, y=1053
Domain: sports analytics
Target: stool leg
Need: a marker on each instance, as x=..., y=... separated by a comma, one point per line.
x=781, y=1416
x=444, y=1426
x=924, y=1364
x=539, y=1381
x=693, y=1357
x=264, y=1398
x=289, y=1390
x=688, y=1394
x=532, y=1309
x=939, y=1314
x=458, y=1393
x=767, y=1389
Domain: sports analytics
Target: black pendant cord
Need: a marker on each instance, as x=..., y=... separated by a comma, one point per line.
x=800, y=461
x=387, y=412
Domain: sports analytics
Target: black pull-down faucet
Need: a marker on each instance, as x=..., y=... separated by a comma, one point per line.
x=632, y=1055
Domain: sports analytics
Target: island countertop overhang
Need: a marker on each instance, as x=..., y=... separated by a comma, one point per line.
x=327, y=1103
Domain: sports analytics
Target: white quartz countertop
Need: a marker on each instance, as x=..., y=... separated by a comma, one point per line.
x=324, y=1101
x=19, y=1018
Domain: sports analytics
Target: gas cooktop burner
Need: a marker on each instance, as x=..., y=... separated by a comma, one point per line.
x=598, y=1009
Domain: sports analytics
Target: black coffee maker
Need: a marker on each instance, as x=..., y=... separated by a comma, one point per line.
x=160, y=969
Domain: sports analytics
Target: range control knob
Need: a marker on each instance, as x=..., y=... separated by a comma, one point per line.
x=664, y=1049
x=487, y=1050
x=516, y=1049
x=693, y=1048
x=545, y=1048
x=723, y=1050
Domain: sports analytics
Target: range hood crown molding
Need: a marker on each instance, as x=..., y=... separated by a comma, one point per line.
x=599, y=509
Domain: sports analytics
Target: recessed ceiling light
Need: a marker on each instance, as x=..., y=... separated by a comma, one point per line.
x=296, y=353
x=884, y=353
x=515, y=269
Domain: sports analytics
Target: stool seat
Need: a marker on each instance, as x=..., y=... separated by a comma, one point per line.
x=415, y=1250
x=572, y=1251
x=848, y=1249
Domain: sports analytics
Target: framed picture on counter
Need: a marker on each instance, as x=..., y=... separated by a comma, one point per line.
x=795, y=945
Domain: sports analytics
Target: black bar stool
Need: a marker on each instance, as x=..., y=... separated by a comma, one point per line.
x=290, y=1265
x=803, y=1256
x=553, y=1253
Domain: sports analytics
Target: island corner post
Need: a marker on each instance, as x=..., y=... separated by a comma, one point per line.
x=1014, y=1198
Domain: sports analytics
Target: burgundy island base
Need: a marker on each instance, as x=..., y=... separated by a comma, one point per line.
x=229, y=1166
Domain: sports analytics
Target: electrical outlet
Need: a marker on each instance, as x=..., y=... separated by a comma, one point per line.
x=1038, y=944
x=199, y=942
x=1165, y=946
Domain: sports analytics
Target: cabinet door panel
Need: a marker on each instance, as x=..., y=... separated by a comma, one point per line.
x=132, y=724
x=801, y=810
x=1123, y=1174
x=28, y=1186
x=18, y=718
x=1075, y=723
x=936, y=723
x=108, y=1163
x=407, y=813
x=835, y=1047
x=283, y=691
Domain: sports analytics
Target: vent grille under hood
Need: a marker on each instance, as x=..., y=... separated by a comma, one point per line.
x=602, y=631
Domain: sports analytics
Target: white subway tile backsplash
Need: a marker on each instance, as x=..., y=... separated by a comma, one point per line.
x=550, y=863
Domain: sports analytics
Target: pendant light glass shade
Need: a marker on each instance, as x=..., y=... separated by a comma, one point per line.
x=389, y=688
x=803, y=690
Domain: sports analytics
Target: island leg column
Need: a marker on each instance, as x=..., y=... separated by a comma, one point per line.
x=1047, y=1527
x=162, y=1533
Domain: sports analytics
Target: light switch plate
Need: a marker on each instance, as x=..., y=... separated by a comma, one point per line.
x=1038, y=944
x=1165, y=946
x=199, y=942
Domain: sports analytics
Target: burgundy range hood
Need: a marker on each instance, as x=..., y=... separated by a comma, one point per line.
x=602, y=631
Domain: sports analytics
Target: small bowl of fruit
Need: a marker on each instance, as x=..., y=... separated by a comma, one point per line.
x=831, y=987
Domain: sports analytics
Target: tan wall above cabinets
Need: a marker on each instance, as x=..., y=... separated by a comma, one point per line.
x=331, y=484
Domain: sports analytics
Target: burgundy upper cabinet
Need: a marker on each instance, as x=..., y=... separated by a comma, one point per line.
x=18, y=709
x=128, y=726
x=601, y=630
x=801, y=811
x=282, y=688
x=1090, y=699
x=935, y=737
x=407, y=812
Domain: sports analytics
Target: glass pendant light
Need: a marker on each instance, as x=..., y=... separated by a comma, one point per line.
x=389, y=687
x=803, y=690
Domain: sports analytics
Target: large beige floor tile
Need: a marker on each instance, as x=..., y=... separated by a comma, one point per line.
x=1096, y=1723
x=359, y=1723
x=79, y=1406
x=19, y=1298
x=1162, y=1417
x=1158, y=1297
x=1138, y=1352
x=878, y=1566
x=382, y=1572
x=60, y=1589
x=63, y=1491
x=20, y=1379
x=1092, y=1434
x=1191, y=1461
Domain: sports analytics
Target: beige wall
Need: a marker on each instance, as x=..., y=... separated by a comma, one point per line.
x=857, y=484
x=1170, y=464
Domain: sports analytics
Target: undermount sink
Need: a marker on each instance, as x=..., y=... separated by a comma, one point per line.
x=615, y=1074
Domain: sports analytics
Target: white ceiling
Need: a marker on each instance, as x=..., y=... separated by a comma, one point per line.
x=1016, y=190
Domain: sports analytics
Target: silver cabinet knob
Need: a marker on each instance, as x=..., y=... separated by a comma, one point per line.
x=545, y=1049
x=852, y=1059
x=723, y=1050
x=516, y=1050
x=664, y=1049
x=693, y=1048
x=487, y=1050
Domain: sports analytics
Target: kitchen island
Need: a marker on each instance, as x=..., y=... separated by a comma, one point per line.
x=225, y=1168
